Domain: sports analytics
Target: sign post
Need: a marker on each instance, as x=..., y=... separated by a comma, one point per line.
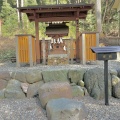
x=106, y=53
x=106, y=81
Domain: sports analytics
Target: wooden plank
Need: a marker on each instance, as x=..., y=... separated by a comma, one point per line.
x=30, y=50
x=17, y=52
x=71, y=50
x=33, y=50
x=67, y=44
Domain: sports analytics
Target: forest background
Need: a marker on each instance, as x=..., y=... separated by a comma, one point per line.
x=12, y=26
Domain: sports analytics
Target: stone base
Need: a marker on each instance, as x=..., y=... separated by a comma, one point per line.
x=57, y=59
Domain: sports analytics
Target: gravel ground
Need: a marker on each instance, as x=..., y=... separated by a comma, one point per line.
x=30, y=109
x=12, y=66
x=97, y=110
x=21, y=109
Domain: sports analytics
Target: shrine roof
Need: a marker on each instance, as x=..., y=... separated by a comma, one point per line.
x=59, y=12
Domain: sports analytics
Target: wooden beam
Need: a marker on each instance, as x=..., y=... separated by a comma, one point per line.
x=37, y=41
x=62, y=10
x=50, y=19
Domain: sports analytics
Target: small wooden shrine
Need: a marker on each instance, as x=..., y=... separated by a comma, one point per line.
x=52, y=13
x=57, y=54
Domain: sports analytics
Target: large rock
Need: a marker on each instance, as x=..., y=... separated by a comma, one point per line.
x=94, y=82
x=33, y=89
x=66, y=109
x=5, y=75
x=116, y=86
x=77, y=91
x=3, y=84
x=19, y=76
x=76, y=75
x=33, y=76
x=2, y=94
x=54, y=90
x=59, y=75
x=13, y=90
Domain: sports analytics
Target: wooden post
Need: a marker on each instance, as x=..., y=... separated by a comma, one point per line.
x=97, y=43
x=77, y=40
x=98, y=16
x=17, y=52
x=68, y=50
x=97, y=39
x=49, y=46
x=71, y=50
x=37, y=41
x=83, y=50
x=30, y=50
x=44, y=51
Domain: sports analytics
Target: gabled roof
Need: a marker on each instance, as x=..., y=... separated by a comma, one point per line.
x=60, y=12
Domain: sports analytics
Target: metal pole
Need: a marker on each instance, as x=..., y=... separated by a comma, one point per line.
x=106, y=81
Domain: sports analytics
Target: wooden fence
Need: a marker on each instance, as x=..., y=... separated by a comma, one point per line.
x=25, y=49
x=26, y=52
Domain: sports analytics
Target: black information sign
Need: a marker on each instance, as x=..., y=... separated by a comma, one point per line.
x=106, y=53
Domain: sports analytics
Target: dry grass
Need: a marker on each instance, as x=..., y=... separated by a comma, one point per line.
x=7, y=49
x=7, y=44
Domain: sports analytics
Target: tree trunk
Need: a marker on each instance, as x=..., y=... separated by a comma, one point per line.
x=119, y=24
x=18, y=11
x=106, y=6
x=98, y=16
x=0, y=27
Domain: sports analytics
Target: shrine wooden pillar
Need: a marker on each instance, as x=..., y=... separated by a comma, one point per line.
x=37, y=41
x=77, y=40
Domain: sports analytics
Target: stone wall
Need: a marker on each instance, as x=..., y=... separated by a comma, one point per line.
x=23, y=84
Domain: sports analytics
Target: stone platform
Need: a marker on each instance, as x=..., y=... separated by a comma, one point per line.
x=58, y=59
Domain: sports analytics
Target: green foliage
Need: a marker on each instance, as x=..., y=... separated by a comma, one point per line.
x=8, y=15
x=31, y=2
x=90, y=24
x=72, y=29
x=10, y=25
